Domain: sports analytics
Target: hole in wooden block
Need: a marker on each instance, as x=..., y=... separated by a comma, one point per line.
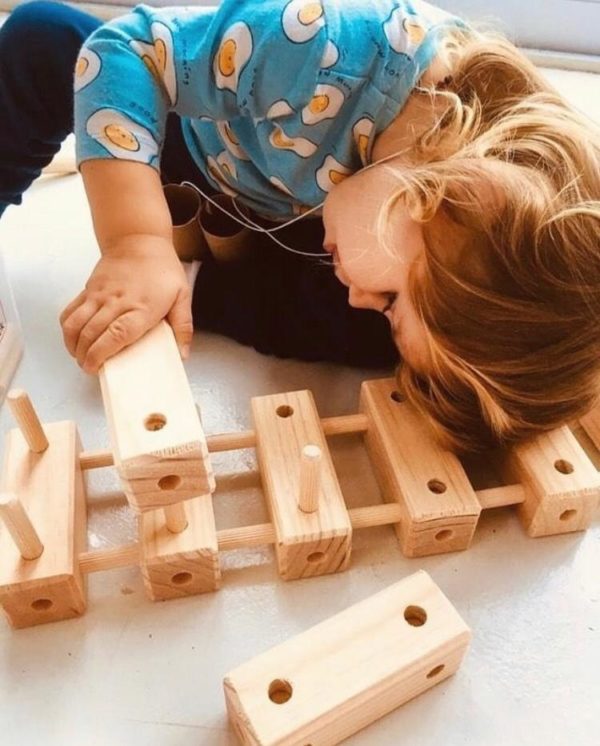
x=285, y=410
x=315, y=557
x=181, y=578
x=397, y=396
x=436, y=486
x=435, y=671
x=155, y=421
x=416, y=616
x=444, y=534
x=280, y=691
x=564, y=467
x=170, y=482
x=566, y=515
x=42, y=604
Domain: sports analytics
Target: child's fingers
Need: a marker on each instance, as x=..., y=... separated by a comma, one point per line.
x=75, y=321
x=180, y=319
x=121, y=332
x=94, y=327
x=68, y=310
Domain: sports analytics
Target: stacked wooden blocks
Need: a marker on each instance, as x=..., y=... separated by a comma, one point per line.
x=162, y=456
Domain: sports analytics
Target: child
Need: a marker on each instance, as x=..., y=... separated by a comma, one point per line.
x=461, y=194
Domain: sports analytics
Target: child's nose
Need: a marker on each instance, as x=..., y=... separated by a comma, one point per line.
x=363, y=299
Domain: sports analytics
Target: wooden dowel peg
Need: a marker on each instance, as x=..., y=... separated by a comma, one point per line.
x=20, y=527
x=27, y=420
x=310, y=479
x=175, y=518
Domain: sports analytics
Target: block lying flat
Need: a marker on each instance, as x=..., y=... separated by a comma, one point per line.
x=157, y=439
x=343, y=674
x=50, y=487
x=439, y=505
x=307, y=544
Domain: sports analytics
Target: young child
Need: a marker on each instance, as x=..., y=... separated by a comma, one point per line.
x=461, y=194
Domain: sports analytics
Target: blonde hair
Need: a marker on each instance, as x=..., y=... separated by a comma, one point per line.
x=507, y=186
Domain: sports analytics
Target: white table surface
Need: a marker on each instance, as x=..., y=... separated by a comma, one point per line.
x=135, y=672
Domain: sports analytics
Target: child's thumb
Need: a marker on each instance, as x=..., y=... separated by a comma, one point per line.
x=180, y=319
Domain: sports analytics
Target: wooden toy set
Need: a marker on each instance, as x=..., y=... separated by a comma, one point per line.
x=346, y=672
x=162, y=457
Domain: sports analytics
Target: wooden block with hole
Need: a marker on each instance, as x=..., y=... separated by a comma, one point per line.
x=50, y=487
x=307, y=544
x=329, y=682
x=184, y=563
x=157, y=439
x=440, y=507
x=562, y=484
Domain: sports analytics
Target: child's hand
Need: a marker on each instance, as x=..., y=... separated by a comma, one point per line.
x=134, y=285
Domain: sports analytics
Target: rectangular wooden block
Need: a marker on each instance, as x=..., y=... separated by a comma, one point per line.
x=440, y=507
x=308, y=544
x=180, y=564
x=562, y=484
x=343, y=674
x=51, y=488
x=157, y=439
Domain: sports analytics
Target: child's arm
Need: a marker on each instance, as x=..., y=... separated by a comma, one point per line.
x=139, y=279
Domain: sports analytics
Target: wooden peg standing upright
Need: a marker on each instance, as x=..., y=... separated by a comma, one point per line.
x=26, y=417
x=330, y=681
x=310, y=478
x=562, y=484
x=440, y=507
x=19, y=526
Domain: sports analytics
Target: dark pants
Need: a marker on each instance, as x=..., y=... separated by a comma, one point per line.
x=276, y=301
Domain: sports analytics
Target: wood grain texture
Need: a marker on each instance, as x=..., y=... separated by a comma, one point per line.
x=51, y=488
x=157, y=439
x=591, y=424
x=562, y=485
x=440, y=507
x=180, y=564
x=327, y=683
x=308, y=544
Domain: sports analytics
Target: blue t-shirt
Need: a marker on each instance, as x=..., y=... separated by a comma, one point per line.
x=279, y=99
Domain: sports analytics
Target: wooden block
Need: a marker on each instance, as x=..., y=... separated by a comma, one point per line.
x=307, y=544
x=158, y=442
x=562, y=484
x=51, y=488
x=180, y=564
x=591, y=424
x=352, y=669
x=440, y=507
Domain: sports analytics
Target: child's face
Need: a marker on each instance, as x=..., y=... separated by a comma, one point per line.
x=376, y=274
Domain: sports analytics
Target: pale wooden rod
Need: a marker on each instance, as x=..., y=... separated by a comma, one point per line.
x=18, y=525
x=345, y=425
x=175, y=517
x=27, y=420
x=235, y=538
x=246, y=537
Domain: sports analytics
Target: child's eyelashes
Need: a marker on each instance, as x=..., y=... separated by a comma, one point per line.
x=390, y=300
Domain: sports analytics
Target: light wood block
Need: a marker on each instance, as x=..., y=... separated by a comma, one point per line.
x=440, y=507
x=50, y=487
x=184, y=563
x=562, y=485
x=158, y=442
x=591, y=424
x=308, y=544
x=327, y=683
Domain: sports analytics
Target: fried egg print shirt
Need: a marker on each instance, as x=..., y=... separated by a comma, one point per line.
x=279, y=99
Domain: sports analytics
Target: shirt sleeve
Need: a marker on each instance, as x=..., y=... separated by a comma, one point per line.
x=202, y=63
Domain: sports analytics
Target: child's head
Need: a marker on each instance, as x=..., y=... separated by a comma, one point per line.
x=498, y=230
